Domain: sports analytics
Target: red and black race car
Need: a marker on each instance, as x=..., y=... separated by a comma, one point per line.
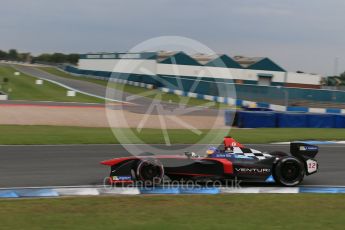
x=228, y=162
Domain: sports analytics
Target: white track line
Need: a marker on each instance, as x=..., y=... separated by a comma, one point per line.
x=82, y=92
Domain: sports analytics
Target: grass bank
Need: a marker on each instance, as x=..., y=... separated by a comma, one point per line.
x=17, y=134
x=246, y=211
x=150, y=93
x=23, y=87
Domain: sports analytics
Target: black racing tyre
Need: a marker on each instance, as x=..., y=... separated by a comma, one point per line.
x=278, y=154
x=150, y=171
x=289, y=171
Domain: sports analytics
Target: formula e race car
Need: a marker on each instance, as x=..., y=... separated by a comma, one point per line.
x=228, y=162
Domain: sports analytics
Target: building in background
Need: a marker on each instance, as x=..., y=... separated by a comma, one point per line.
x=243, y=70
x=215, y=77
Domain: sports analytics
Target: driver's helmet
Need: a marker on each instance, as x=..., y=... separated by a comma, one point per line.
x=211, y=150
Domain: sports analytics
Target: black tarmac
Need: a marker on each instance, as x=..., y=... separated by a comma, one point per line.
x=69, y=165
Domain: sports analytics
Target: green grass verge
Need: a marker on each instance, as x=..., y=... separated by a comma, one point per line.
x=16, y=134
x=150, y=93
x=57, y=72
x=246, y=211
x=23, y=87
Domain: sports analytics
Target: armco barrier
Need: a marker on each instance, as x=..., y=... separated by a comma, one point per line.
x=254, y=119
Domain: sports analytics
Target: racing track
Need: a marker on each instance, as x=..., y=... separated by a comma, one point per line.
x=139, y=103
x=79, y=164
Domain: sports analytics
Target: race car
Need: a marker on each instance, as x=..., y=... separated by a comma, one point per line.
x=230, y=161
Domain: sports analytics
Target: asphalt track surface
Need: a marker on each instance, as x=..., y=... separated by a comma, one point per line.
x=71, y=165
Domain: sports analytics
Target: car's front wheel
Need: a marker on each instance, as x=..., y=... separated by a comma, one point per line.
x=289, y=171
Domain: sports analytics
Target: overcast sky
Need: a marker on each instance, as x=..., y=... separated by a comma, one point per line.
x=299, y=35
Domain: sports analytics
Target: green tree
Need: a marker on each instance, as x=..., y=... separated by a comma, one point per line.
x=342, y=76
x=72, y=58
x=58, y=58
x=3, y=55
x=25, y=57
x=43, y=58
x=13, y=54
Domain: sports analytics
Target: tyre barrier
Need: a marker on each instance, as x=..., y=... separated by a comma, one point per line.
x=271, y=119
x=99, y=191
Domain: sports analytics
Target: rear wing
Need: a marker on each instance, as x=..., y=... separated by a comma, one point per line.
x=303, y=151
x=306, y=153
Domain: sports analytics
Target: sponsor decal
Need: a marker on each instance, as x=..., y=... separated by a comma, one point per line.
x=222, y=155
x=227, y=155
x=242, y=157
x=122, y=177
x=308, y=148
x=253, y=170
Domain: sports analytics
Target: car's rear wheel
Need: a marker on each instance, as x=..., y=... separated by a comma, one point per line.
x=150, y=171
x=289, y=171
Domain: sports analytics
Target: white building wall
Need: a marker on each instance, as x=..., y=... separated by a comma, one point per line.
x=253, y=75
x=136, y=66
x=204, y=71
x=303, y=78
x=241, y=74
x=195, y=71
x=151, y=67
